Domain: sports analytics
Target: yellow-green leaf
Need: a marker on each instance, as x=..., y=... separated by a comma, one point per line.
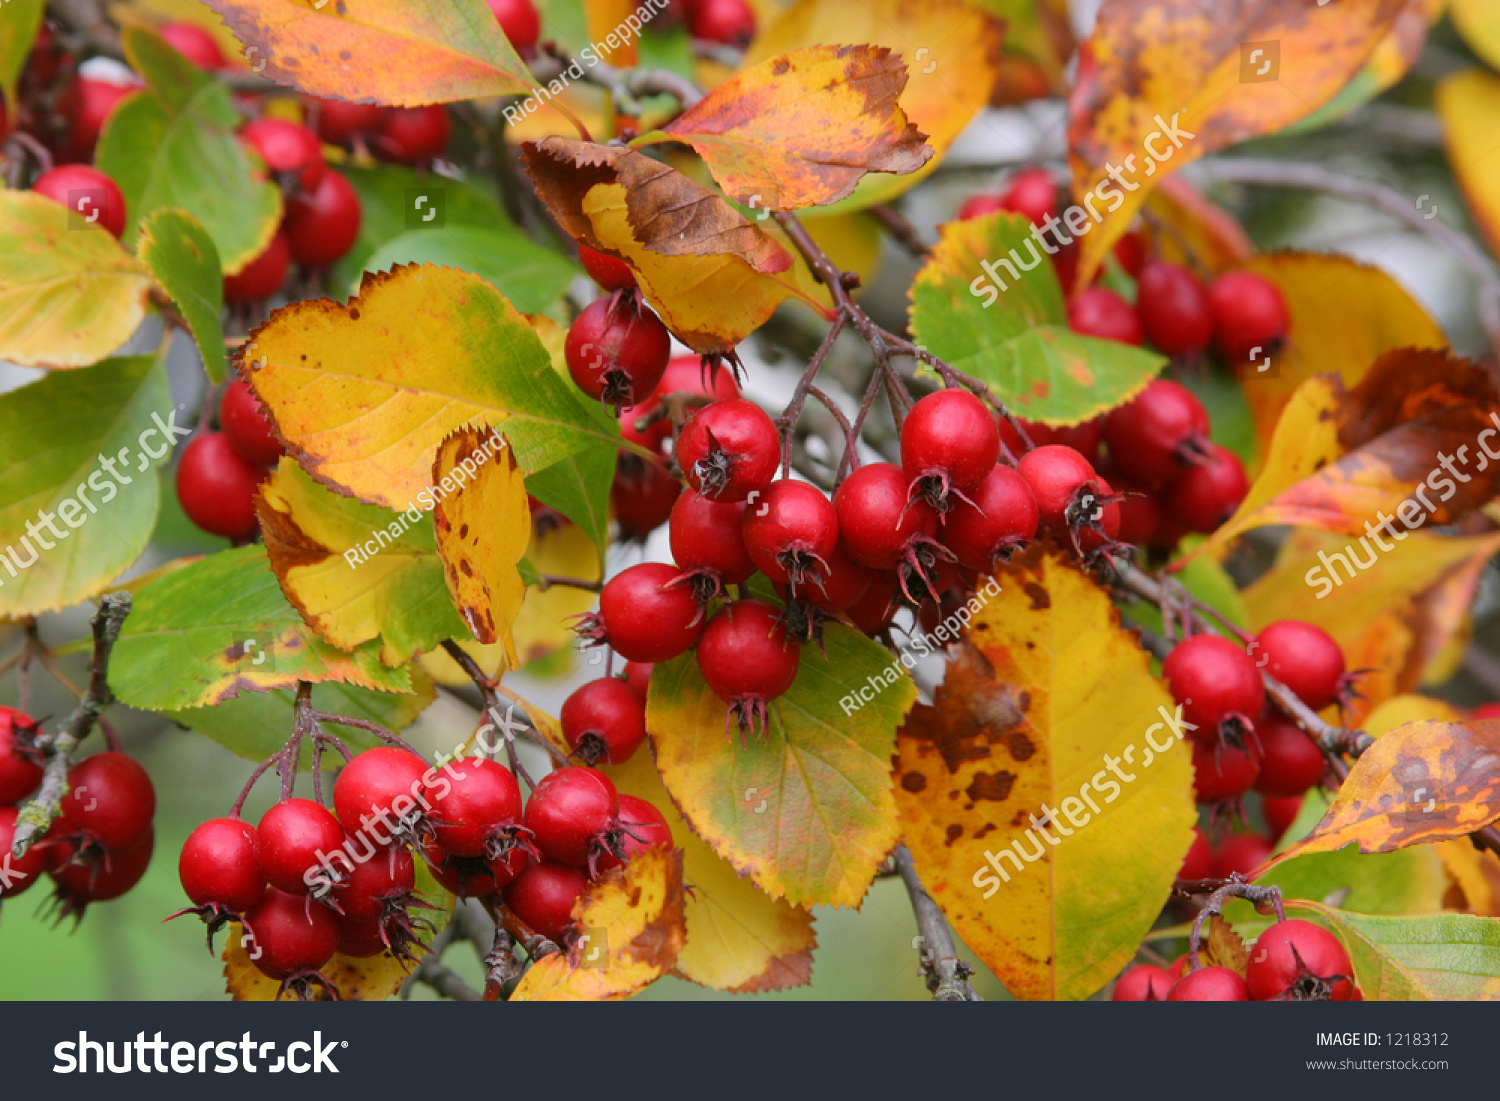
x=182, y=256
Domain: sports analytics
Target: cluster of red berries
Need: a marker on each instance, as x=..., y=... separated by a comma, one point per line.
x=218, y=472
x=1292, y=961
x=308, y=883
x=100, y=845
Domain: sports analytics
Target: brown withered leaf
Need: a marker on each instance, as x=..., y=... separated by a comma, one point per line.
x=804, y=128
x=1422, y=782
x=1223, y=947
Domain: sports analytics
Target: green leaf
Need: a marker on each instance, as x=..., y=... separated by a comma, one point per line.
x=173, y=145
x=578, y=487
x=221, y=627
x=829, y=814
x=185, y=262
x=532, y=277
x=257, y=724
x=387, y=197
x=17, y=32
x=1018, y=341
x=69, y=294
x=81, y=446
x=1437, y=957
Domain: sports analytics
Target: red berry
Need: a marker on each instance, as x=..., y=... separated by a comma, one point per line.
x=1032, y=193
x=1213, y=679
x=1199, y=861
x=1305, y=658
x=288, y=149
x=1480, y=713
x=1083, y=438
x=707, y=540
x=617, y=350
x=1157, y=435
x=1298, y=961
x=473, y=876
x=976, y=206
x=1291, y=762
x=1209, y=984
x=876, y=525
x=572, y=814
x=1059, y=478
x=1209, y=492
x=605, y=720
x=641, y=826
x=383, y=786
x=611, y=273
x=412, y=134
x=1140, y=515
x=101, y=879
x=474, y=807
x=729, y=449
x=1100, y=312
x=790, y=531
x=218, y=867
x=89, y=102
x=110, y=802
x=246, y=427
x=1241, y=854
x=1003, y=516
x=322, y=225
x=642, y=497
x=1145, y=983
x=1249, y=313
x=217, y=487
x=263, y=276
x=1130, y=251
x=20, y=768
x=1222, y=772
x=193, y=43
x=379, y=885
x=949, y=442
x=874, y=611
x=845, y=582
x=22, y=872
x=1280, y=813
x=360, y=940
x=730, y=22
x=638, y=676
x=295, y=843
x=338, y=121
x=518, y=21
x=747, y=661
x=288, y=938
x=1174, y=309
x=543, y=897
x=642, y=617
x=86, y=191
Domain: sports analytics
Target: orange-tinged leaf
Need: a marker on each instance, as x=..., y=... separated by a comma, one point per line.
x=606, y=17
x=1475, y=874
x=1164, y=82
x=402, y=52
x=483, y=526
x=952, y=55
x=363, y=393
x=1405, y=709
x=1467, y=103
x=632, y=926
x=711, y=273
x=1421, y=782
x=1186, y=228
x=739, y=938
x=1345, y=315
x=1342, y=459
x=803, y=129
x=1047, y=697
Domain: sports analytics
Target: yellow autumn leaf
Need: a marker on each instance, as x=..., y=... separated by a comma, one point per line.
x=1050, y=711
x=483, y=526
x=631, y=919
x=1467, y=103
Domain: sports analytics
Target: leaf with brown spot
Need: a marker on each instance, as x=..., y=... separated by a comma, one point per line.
x=633, y=919
x=1422, y=782
x=804, y=128
x=711, y=273
x=483, y=526
x=401, y=52
x=1189, y=61
x=1342, y=458
x=1065, y=676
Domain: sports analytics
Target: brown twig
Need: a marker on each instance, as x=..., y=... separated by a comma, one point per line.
x=947, y=975
x=901, y=230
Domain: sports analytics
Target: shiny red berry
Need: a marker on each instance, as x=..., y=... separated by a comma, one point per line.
x=1060, y=478
x=747, y=660
x=193, y=43
x=412, y=134
x=1296, y=960
x=1209, y=984
x=641, y=827
x=110, y=802
x=876, y=525
x=844, y=583
x=20, y=872
x=1291, y=762
x=1159, y=434
x=638, y=676
x=949, y=442
x=729, y=449
x=263, y=276
x=86, y=192
x=338, y=122
x=1280, y=813
x=246, y=427
x=1145, y=983
x=604, y=720
x=1000, y=516
x=617, y=350
x=543, y=897
x=729, y=22
x=287, y=938
x=295, y=844
x=573, y=815
x=20, y=763
x=707, y=542
x=1199, y=861
x=643, y=617
x=1213, y=679
x=100, y=878
x=1241, y=854
x=641, y=497
x=382, y=785
x=1208, y=494
x=518, y=21
x=1250, y=316
x=474, y=806
x=323, y=224
x=1305, y=658
x=218, y=868
x=1222, y=771
x=790, y=531
x=1174, y=309
x=290, y=150
x=377, y=886
x=1032, y=193
x=1100, y=312
x=611, y=273
x=216, y=487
